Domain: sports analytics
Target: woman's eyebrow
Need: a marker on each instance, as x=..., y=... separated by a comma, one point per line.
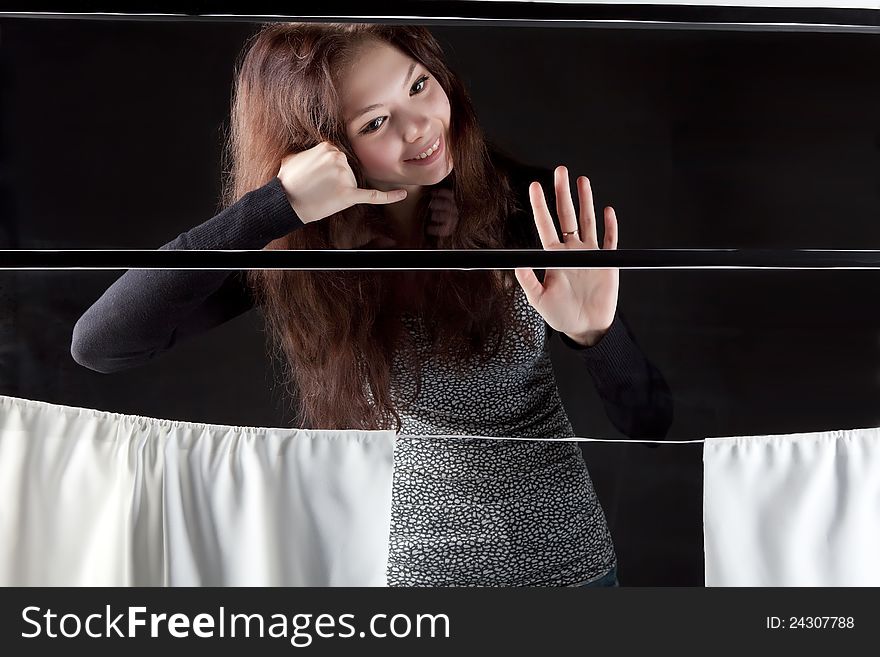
x=370, y=108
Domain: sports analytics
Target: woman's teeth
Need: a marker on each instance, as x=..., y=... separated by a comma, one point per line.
x=427, y=153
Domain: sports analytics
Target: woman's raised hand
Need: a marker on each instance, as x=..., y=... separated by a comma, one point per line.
x=578, y=302
x=319, y=182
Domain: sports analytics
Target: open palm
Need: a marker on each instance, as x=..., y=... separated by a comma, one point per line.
x=578, y=302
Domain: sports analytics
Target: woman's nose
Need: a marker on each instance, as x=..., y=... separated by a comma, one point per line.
x=417, y=128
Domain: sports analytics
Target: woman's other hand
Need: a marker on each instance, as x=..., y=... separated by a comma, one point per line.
x=443, y=213
x=578, y=302
x=361, y=234
x=319, y=182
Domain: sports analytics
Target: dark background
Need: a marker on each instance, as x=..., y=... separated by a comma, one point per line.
x=111, y=138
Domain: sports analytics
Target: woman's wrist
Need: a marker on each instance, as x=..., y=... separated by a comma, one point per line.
x=587, y=338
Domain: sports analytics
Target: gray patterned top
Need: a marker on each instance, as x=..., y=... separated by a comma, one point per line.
x=471, y=512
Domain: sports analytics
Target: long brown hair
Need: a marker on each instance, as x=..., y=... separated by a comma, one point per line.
x=338, y=331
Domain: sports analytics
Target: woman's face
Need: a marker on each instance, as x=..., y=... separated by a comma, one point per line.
x=395, y=112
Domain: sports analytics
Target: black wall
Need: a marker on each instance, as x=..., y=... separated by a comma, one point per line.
x=112, y=134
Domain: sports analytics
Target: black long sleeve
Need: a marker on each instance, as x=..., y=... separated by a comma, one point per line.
x=635, y=394
x=146, y=312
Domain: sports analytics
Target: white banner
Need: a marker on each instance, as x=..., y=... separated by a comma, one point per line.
x=793, y=510
x=89, y=498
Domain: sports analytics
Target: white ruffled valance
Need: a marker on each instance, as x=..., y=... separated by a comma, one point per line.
x=103, y=499
x=90, y=498
x=793, y=510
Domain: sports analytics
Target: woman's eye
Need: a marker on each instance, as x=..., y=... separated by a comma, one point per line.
x=373, y=125
x=419, y=85
x=376, y=123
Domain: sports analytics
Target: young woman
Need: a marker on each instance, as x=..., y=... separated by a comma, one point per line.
x=359, y=136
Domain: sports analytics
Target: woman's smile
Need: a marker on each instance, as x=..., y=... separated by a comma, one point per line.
x=429, y=155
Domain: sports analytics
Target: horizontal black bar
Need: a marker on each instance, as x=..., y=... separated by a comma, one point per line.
x=441, y=259
x=451, y=9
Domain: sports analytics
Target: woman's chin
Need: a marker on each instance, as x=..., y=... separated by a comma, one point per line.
x=437, y=177
x=424, y=179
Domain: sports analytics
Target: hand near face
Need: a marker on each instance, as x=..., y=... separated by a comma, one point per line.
x=319, y=182
x=578, y=302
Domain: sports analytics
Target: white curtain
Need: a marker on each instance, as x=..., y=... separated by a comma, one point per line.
x=94, y=498
x=89, y=498
x=793, y=510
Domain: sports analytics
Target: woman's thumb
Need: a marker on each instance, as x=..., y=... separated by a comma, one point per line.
x=378, y=197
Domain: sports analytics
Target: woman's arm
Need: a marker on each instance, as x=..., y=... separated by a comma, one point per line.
x=635, y=394
x=146, y=312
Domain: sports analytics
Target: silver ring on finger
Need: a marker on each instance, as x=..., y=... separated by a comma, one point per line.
x=569, y=232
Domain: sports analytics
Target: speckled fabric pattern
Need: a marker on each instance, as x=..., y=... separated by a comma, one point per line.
x=473, y=512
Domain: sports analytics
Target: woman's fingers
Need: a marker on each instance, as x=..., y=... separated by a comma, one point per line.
x=441, y=228
x=442, y=198
x=611, y=229
x=377, y=197
x=530, y=284
x=588, y=213
x=382, y=242
x=543, y=220
x=441, y=204
x=359, y=235
x=443, y=213
x=564, y=205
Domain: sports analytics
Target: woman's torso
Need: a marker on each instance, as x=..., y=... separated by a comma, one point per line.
x=469, y=511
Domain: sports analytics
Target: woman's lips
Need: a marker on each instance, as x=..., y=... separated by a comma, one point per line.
x=431, y=158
